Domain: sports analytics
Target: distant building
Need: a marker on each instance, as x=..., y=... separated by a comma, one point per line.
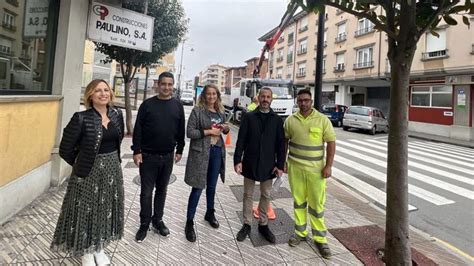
x=214, y=74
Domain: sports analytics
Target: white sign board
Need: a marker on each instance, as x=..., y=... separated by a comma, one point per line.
x=121, y=27
x=36, y=19
x=461, y=98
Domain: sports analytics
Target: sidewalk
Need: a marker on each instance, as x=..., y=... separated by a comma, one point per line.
x=26, y=237
x=441, y=139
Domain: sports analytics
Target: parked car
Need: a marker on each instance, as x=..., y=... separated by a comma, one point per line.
x=187, y=98
x=366, y=118
x=335, y=113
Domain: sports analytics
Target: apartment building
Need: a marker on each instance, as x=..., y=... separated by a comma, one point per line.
x=252, y=63
x=214, y=74
x=233, y=75
x=356, y=69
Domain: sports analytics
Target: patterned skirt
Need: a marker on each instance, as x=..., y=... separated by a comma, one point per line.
x=92, y=213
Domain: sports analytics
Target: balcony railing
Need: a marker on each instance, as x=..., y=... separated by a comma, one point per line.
x=13, y=2
x=303, y=29
x=339, y=68
x=279, y=59
x=302, y=51
x=364, y=31
x=301, y=74
x=341, y=37
x=288, y=76
x=434, y=54
x=8, y=26
x=364, y=65
x=325, y=43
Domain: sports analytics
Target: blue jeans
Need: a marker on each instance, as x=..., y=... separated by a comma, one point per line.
x=213, y=170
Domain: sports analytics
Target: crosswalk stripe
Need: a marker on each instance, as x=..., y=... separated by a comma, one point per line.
x=421, y=177
x=370, y=191
x=421, y=158
x=468, y=151
x=449, y=150
x=441, y=172
x=443, y=153
x=431, y=153
x=412, y=189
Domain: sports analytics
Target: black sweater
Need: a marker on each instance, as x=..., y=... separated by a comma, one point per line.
x=159, y=127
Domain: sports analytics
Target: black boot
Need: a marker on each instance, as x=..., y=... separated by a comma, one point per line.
x=211, y=218
x=266, y=233
x=244, y=232
x=189, y=231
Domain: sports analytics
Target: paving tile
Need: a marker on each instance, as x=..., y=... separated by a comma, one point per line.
x=38, y=250
x=177, y=250
x=131, y=165
x=231, y=208
x=343, y=259
x=313, y=261
x=72, y=261
x=133, y=258
x=263, y=255
x=11, y=247
x=301, y=252
x=207, y=233
x=26, y=225
x=127, y=243
x=41, y=262
x=127, y=156
x=437, y=253
x=220, y=253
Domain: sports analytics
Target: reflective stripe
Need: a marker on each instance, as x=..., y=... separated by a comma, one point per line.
x=300, y=228
x=307, y=158
x=319, y=233
x=305, y=147
x=301, y=206
x=315, y=213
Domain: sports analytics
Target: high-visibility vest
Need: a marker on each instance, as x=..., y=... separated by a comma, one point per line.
x=306, y=139
x=251, y=107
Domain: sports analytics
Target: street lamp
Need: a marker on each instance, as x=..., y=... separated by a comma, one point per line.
x=181, y=66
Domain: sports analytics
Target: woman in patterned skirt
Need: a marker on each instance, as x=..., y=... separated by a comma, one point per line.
x=92, y=211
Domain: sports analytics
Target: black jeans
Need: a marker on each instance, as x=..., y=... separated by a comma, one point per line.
x=155, y=171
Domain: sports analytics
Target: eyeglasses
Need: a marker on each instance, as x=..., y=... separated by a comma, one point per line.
x=304, y=100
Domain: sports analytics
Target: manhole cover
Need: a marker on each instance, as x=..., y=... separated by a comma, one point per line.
x=136, y=179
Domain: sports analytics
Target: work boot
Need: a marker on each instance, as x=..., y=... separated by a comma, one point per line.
x=161, y=228
x=141, y=234
x=266, y=233
x=244, y=232
x=189, y=231
x=295, y=240
x=324, y=250
x=211, y=218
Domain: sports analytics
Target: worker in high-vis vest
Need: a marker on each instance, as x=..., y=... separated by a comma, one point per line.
x=306, y=132
x=253, y=105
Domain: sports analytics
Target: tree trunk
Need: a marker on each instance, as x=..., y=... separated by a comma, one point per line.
x=128, y=107
x=397, y=245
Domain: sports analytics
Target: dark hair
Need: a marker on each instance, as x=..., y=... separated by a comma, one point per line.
x=265, y=89
x=165, y=75
x=304, y=91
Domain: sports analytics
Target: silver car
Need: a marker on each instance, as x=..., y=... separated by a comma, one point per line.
x=366, y=118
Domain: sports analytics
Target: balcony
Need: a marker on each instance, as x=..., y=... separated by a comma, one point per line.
x=302, y=51
x=13, y=2
x=279, y=59
x=289, y=59
x=301, y=74
x=288, y=76
x=303, y=29
x=339, y=68
x=472, y=51
x=314, y=71
x=325, y=43
x=434, y=55
x=341, y=37
x=361, y=65
x=364, y=31
x=325, y=19
x=8, y=26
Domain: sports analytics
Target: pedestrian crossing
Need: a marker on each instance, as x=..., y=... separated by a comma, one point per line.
x=438, y=173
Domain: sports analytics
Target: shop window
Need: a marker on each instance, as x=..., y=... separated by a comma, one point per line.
x=439, y=96
x=26, y=59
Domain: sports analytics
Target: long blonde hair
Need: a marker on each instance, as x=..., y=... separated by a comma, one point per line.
x=90, y=89
x=202, y=101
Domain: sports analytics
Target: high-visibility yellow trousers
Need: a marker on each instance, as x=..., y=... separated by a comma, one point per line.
x=309, y=195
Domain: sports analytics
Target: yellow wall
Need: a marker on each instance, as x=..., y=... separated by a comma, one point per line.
x=27, y=135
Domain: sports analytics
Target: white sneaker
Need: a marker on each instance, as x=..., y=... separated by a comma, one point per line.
x=88, y=260
x=101, y=258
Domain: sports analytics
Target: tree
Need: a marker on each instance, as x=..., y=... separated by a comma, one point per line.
x=404, y=22
x=170, y=26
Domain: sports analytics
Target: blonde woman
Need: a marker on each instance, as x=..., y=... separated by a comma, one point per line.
x=206, y=158
x=92, y=210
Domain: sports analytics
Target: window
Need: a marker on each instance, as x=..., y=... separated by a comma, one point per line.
x=303, y=24
x=291, y=37
x=289, y=57
x=364, y=58
x=339, y=63
x=279, y=73
x=435, y=47
x=282, y=37
x=289, y=72
x=364, y=26
x=303, y=47
x=324, y=65
x=341, y=33
x=438, y=96
x=301, y=70
x=28, y=56
x=280, y=55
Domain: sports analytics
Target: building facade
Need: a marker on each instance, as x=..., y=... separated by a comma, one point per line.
x=356, y=69
x=233, y=75
x=214, y=74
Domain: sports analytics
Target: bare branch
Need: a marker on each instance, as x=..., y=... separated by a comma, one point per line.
x=364, y=15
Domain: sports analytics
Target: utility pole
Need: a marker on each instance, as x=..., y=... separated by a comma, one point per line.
x=147, y=67
x=180, y=68
x=318, y=81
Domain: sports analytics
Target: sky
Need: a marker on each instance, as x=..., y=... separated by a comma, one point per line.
x=225, y=32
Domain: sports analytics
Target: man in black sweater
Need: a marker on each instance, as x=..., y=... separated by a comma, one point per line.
x=259, y=156
x=159, y=129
